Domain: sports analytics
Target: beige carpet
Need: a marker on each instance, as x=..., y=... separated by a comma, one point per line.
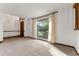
x=23, y=47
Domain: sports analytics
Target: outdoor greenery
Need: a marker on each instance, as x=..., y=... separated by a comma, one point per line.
x=42, y=31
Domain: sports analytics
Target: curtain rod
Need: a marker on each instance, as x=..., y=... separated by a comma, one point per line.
x=46, y=15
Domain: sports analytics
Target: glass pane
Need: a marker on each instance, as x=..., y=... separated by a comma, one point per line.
x=42, y=29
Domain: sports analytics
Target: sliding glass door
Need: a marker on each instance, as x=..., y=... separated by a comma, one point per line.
x=42, y=29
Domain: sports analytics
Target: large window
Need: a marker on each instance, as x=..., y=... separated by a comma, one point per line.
x=42, y=29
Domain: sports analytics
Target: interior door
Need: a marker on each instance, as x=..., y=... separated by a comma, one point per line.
x=22, y=28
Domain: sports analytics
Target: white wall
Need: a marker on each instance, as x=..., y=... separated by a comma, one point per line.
x=65, y=28
x=28, y=26
x=77, y=37
x=1, y=26
x=77, y=41
x=11, y=25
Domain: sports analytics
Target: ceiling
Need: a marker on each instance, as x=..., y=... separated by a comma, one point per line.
x=31, y=9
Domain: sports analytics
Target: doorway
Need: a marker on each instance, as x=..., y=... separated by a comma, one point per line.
x=21, y=27
x=43, y=29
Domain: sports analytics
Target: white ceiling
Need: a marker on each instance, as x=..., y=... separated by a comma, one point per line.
x=31, y=9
